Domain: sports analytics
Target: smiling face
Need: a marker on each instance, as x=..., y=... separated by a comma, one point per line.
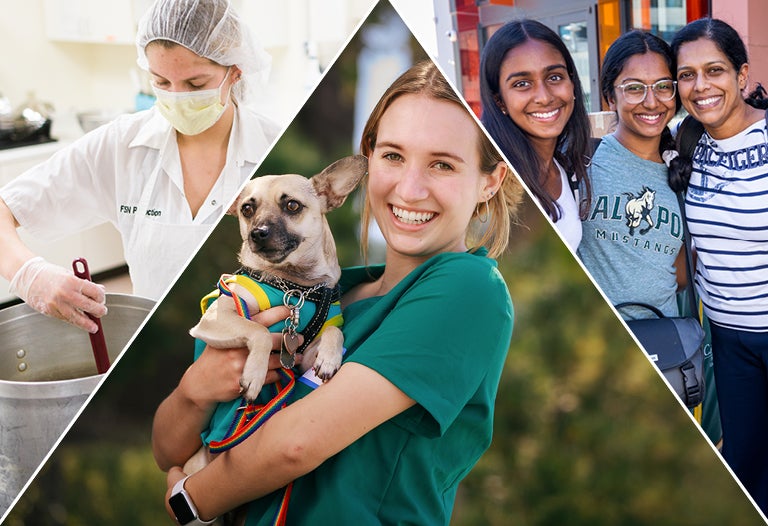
x=710, y=87
x=536, y=91
x=424, y=177
x=178, y=69
x=645, y=120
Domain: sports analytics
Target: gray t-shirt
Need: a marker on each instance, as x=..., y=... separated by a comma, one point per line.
x=633, y=232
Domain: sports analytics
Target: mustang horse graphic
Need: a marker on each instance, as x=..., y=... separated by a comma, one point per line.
x=638, y=209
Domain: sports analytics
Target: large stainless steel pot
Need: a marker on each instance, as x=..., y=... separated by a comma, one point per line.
x=47, y=371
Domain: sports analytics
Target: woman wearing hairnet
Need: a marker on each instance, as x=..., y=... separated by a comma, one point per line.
x=161, y=176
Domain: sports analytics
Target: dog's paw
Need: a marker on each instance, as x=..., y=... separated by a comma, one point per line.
x=249, y=389
x=252, y=379
x=326, y=365
x=329, y=353
x=256, y=367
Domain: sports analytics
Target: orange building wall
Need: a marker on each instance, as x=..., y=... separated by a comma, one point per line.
x=750, y=19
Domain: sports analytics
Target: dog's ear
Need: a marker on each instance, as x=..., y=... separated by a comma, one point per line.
x=337, y=181
x=232, y=210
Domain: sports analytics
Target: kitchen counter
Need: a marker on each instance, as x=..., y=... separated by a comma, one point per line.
x=34, y=153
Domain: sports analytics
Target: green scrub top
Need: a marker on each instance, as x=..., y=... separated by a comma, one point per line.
x=441, y=336
x=221, y=423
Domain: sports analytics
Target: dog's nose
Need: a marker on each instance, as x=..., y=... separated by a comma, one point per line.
x=260, y=233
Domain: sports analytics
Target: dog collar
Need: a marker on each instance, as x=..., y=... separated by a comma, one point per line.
x=315, y=293
x=320, y=294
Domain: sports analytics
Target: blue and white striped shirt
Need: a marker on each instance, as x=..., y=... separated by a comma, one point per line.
x=727, y=209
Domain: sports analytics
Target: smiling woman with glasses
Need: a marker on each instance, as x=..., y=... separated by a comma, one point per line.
x=635, y=92
x=633, y=232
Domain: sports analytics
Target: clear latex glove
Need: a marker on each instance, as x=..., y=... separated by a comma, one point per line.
x=56, y=292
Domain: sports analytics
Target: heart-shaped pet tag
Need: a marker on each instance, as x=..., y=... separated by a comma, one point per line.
x=288, y=349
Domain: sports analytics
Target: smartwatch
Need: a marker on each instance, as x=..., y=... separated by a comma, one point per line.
x=183, y=507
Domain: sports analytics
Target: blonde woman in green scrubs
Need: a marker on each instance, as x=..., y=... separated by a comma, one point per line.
x=410, y=412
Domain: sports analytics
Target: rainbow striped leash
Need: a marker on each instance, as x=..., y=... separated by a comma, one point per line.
x=251, y=416
x=240, y=305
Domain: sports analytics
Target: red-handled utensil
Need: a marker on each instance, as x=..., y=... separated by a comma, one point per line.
x=98, y=344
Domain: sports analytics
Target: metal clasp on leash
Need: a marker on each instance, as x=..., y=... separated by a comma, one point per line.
x=290, y=336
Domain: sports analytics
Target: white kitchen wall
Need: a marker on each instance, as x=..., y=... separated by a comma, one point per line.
x=51, y=47
x=76, y=76
x=68, y=75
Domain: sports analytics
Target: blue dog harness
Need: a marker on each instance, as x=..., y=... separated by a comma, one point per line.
x=320, y=304
x=321, y=309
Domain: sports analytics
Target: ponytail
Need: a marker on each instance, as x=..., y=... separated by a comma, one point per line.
x=758, y=98
x=688, y=134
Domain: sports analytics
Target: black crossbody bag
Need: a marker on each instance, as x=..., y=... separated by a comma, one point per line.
x=675, y=344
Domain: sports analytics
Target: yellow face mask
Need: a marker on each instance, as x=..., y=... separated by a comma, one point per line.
x=191, y=112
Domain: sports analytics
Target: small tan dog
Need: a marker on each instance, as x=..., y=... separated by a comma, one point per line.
x=286, y=241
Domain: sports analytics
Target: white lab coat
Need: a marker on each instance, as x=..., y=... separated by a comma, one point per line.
x=128, y=172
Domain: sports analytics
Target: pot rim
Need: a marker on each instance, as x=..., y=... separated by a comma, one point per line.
x=118, y=299
x=84, y=385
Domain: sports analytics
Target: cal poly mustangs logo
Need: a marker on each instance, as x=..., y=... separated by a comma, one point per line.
x=642, y=220
x=638, y=210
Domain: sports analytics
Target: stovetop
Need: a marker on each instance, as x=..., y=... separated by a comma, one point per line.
x=41, y=135
x=7, y=144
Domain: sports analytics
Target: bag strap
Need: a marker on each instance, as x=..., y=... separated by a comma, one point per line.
x=594, y=142
x=688, y=134
x=689, y=290
x=651, y=308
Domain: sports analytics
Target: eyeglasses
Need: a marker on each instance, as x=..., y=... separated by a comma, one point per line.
x=635, y=92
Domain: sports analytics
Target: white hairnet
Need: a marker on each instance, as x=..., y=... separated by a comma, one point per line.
x=210, y=29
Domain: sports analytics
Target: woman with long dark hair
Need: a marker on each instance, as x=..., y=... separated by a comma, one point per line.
x=725, y=205
x=633, y=234
x=534, y=108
